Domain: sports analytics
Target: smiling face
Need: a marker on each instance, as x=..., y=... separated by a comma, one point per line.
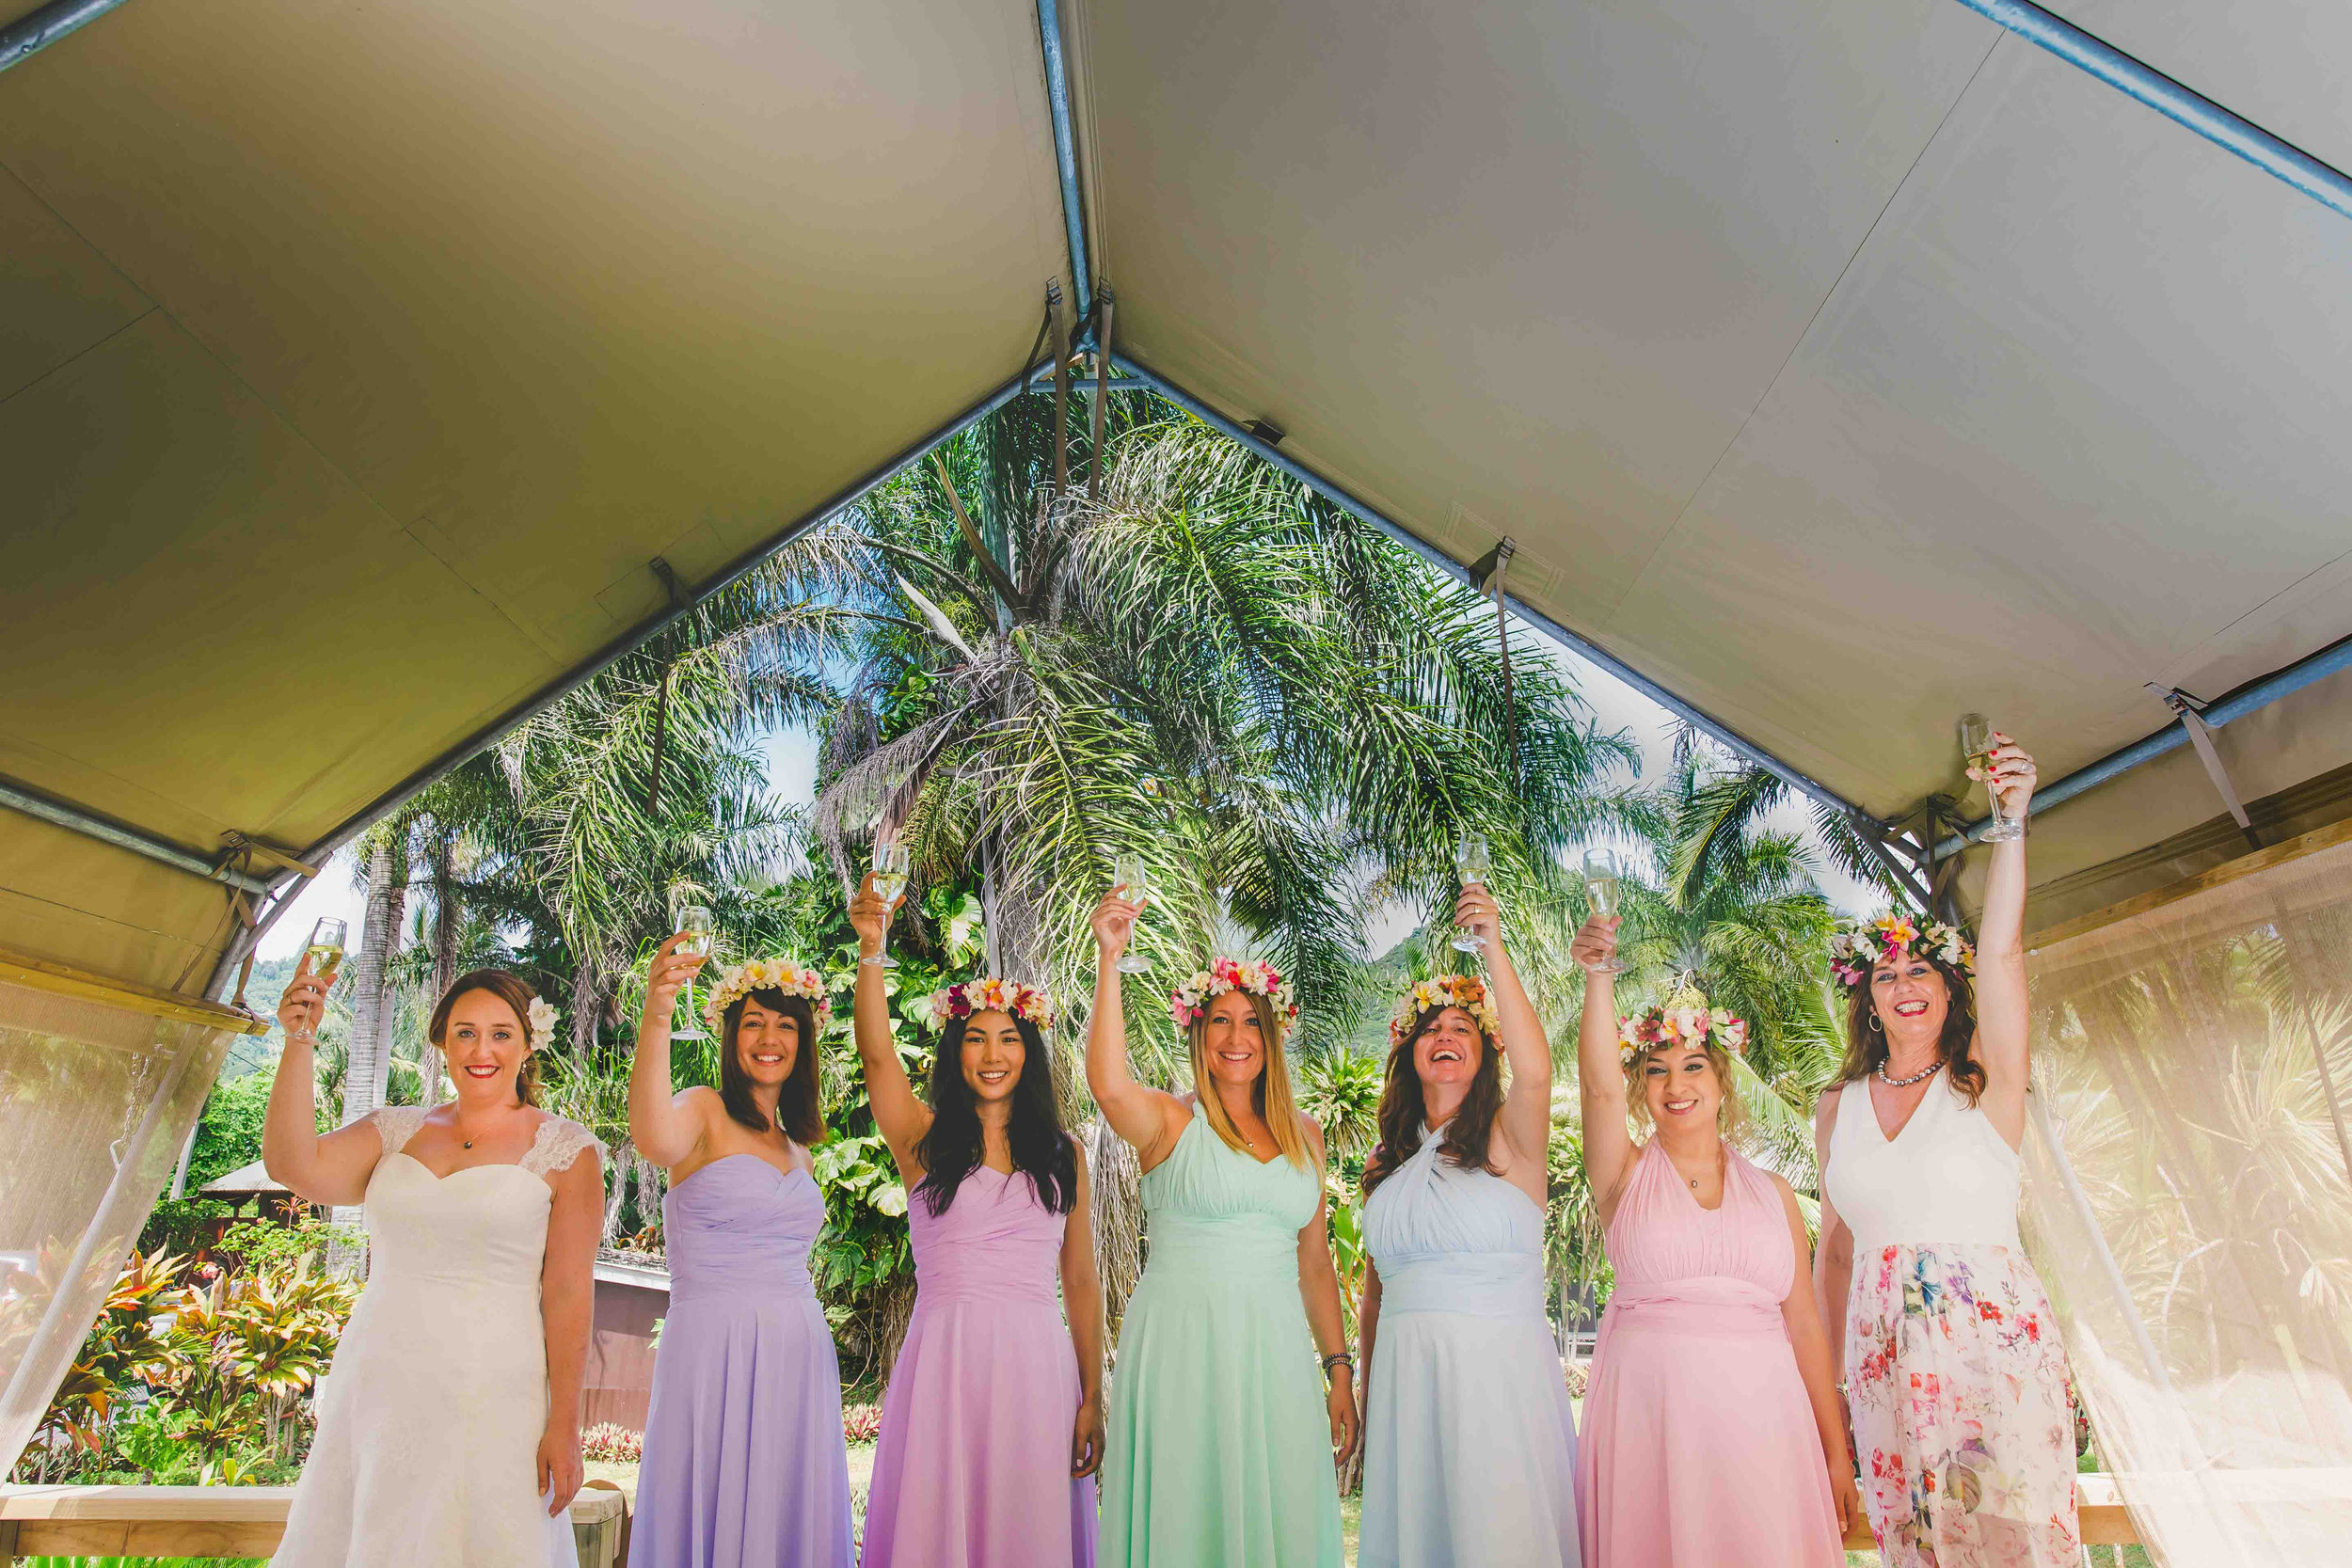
x=1447, y=1053
x=1911, y=1000
x=1681, y=1088
x=767, y=1043
x=1233, y=1040
x=484, y=1043
x=992, y=1053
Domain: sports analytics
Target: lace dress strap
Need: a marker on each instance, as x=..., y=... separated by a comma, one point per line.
x=396, y=1124
x=558, y=1144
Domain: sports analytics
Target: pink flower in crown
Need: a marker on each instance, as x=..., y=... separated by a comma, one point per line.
x=1733, y=1034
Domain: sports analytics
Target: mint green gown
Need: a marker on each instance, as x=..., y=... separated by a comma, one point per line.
x=1220, y=1447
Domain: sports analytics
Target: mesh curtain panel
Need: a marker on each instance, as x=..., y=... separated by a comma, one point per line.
x=95, y=1101
x=2189, y=1204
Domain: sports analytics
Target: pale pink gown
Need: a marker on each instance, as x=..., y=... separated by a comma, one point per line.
x=1699, y=1446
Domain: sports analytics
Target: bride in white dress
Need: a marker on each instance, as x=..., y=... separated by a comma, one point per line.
x=449, y=1429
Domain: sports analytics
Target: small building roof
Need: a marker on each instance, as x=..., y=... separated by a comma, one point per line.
x=245, y=1182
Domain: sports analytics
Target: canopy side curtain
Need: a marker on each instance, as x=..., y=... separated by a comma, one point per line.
x=99, y=1087
x=2190, y=1203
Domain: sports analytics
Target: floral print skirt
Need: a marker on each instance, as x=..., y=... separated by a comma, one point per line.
x=1963, y=1417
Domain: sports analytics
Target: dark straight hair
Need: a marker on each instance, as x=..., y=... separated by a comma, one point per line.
x=799, y=1110
x=1402, y=1108
x=955, y=1144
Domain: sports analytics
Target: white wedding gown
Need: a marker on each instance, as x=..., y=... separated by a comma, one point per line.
x=429, y=1424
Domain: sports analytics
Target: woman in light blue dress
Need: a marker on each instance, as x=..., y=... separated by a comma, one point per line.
x=1470, y=1441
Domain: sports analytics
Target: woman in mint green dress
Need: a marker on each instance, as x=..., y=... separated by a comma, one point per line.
x=1215, y=1454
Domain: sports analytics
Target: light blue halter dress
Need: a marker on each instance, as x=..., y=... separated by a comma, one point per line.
x=1470, y=1441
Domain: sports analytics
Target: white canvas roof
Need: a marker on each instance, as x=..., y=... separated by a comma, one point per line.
x=1838, y=365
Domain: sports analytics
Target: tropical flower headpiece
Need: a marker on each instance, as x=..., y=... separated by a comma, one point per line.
x=1466, y=992
x=1861, y=945
x=1190, y=1000
x=989, y=994
x=1683, y=1018
x=541, y=1019
x=769, y=974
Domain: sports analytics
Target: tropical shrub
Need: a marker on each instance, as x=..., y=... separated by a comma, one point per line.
x=861, y=1423
x=612, y=1444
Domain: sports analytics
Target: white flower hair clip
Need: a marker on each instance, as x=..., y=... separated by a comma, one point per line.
x=543, y=1019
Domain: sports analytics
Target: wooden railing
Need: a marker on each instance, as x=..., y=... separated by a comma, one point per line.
x=222, y=1521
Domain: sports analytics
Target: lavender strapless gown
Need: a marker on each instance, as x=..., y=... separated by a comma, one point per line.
x=744, y=1462
x=973, y=1469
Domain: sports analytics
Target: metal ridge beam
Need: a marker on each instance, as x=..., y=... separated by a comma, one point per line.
x=20, y=39
x=2273, y=154
x=1459, y=571
x=74, y=820
x=1065, y=152
x=2257, y=693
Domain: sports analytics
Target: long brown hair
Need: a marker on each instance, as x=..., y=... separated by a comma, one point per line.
x=1271, y=1097
x=800, y=1109
x=509, y=987
x=1469, y=1135
x=1865, y=1047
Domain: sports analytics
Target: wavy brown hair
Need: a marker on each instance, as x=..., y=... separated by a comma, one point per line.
x=798, y=1111
x=509, y=987
x=1469, y=1135
x=1866, y=1046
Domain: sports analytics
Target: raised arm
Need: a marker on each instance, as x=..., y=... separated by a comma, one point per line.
x=2001, y=1013
x=325, y=1170
x=1319, y=1287
x=1082, y=1304
x=1833, y=1261
x=1600, y=1074
x=899, y=1115
x=1148, y=1118
x=1803, y=1320
x=1525, y=1121
x=665, y=1127
x=567, y=1291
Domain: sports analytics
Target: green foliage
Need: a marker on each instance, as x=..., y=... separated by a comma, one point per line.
x=229, y=1134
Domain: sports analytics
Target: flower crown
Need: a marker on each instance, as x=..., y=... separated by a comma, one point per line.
x=1683, y=1018
x=769, y=974
x=1466, y=992
x=1190, y=1000
x=541, y=1019
x=989, y=994
x=1861, y=945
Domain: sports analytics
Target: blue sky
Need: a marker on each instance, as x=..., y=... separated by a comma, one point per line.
x=792, y=772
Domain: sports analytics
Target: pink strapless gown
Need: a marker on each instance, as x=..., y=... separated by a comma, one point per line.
x=973, y=1469
x=1699, y=1446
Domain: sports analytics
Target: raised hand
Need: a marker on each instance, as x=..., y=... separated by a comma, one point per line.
x=302, y=1006
x=1114, y=923
x=2009, y=775
x=670, y=969
x=1595, y=944
x=869, y=916
x=1475, y=911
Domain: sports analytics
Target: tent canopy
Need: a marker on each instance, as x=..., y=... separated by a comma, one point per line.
x=1837, y=365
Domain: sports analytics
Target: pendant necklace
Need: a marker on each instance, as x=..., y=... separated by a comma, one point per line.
x=1926, y=1072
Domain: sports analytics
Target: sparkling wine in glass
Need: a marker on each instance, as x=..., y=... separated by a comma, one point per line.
x=325, y=948
x=696, y=923
x=1975, y=745
x=1601, y=871
x=1133, y=883
x=889, y=882
x=1472, y=864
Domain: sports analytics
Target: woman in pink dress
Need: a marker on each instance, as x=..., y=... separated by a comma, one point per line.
x=992, y=1427
x=1713, y=1433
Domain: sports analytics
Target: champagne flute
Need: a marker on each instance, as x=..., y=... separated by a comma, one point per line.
x=696, y=923
x=1601, y=871
x=1472, y=862
x=1132, y=881
x=889, y=882
x=326, y=947
x=1976, y=745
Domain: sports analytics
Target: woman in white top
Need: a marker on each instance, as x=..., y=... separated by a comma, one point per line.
x=1955, y=1380
x=449, y=1430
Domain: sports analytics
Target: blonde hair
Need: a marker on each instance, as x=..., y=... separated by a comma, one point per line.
x=1730, y=1115
x=1272, y=1095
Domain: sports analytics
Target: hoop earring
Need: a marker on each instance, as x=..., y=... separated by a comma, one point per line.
x=1876, y=1027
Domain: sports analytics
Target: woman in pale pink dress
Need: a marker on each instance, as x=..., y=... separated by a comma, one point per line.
x=1712, y=1433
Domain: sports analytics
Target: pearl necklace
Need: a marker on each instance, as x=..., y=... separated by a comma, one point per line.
x=1925, y=1073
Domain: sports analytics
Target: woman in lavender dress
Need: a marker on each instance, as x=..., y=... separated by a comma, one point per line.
x=992, y=1427
x=744, y=1462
